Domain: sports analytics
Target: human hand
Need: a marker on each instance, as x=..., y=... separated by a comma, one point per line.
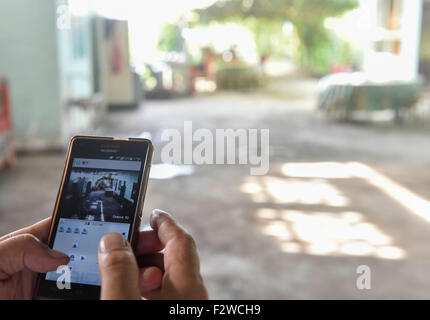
x=23, y=254
x=171, y=274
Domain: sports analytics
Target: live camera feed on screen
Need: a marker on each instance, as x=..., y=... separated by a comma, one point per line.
x=100, y=197
x=107, y=195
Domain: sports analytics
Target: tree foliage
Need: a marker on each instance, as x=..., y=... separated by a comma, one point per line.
x=315, y=48
x=277, y=9
x=171, y=38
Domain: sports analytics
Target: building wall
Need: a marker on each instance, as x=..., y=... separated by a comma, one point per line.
x=29, y=60
x=393, y=50
x=425, y=43
x=76, y=56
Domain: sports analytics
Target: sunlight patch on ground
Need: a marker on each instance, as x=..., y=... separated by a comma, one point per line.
x=326, y=170
x=327, y=233
x=335, y=170
x=283, y=191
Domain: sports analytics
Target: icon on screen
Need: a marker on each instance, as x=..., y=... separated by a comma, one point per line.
x=77, y=230
x=69, y=230
x=84, y=231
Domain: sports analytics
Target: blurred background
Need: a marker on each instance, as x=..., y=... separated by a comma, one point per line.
x=343, y=86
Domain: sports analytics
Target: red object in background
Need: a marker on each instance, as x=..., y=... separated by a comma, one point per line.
x=7, y=152
x=339, y=68
x=116, y=62
x=209, y=62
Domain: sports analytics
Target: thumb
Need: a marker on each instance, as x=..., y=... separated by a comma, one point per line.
x=118, y=269
x=26, y=251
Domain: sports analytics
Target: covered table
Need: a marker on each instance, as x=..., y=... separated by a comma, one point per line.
x=343, y=94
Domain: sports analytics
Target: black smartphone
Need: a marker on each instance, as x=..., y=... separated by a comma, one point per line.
x=102, y=191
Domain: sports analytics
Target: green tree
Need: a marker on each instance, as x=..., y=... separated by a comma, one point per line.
x=316, y=46
x=171, y=38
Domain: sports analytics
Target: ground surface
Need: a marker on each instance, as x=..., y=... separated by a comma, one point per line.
x=302, y=230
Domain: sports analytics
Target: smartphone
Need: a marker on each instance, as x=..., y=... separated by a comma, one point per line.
x=102, y=191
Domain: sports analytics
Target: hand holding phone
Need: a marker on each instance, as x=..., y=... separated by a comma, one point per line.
x=173, y=274
x=102, y=191
x=126, y=271
x=153, y=275
x=23, y=254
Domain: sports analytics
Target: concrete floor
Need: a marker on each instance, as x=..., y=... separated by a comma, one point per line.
x=299, y=232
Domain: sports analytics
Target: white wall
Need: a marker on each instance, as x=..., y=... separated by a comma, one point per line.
x=386, y=65
x=29, y=60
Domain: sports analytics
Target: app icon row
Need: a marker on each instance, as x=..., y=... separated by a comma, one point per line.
x=76, y=230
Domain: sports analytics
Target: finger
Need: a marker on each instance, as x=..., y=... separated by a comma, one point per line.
x=150, y=279
x=164, y=225
x=181, y=252
x=148, y=243
x=40, y=230
x=118, y=269
x=26, y=251
x=151, y=260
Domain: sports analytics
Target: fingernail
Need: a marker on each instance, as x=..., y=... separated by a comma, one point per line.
x=111, y=242
x=154, y=217
x=57, y=254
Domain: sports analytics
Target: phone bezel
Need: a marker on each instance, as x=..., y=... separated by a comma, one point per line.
x=46, y=289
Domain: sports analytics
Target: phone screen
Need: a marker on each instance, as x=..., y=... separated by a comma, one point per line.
x=100, y=194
